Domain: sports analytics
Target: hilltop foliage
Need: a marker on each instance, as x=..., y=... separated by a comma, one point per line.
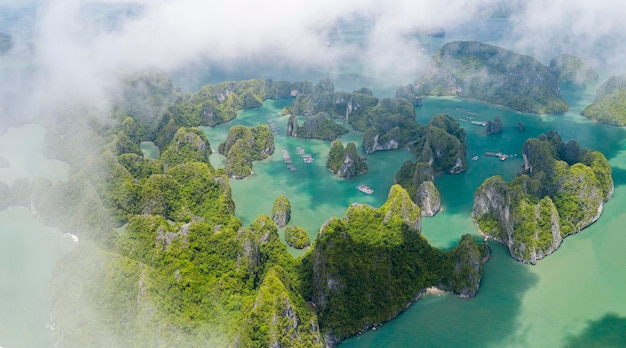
x=609, y=105
x=367, y=266
x=345, y=162
x=297, y=237
x=562, y=190
x=245, y=145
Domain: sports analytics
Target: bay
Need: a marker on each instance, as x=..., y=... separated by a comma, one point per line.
x=574, y=294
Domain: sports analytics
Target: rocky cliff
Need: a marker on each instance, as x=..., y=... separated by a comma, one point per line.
x=553, y=198
x=243, y=145
x=476, y=70
x=279, y=317
x=465, y=267
x=439, y=149
x=367, y=266
x=428, y=199
x=345, y=162
x=281, y=211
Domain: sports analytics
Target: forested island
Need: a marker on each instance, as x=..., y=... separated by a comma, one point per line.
x=561, y=190
x=245, y=145
x=163, y=260
x=345, y=162
x=493, y=74
x=609, y=105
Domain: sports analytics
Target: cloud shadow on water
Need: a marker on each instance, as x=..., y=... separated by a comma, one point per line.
x=446, y=321
x=608, y=331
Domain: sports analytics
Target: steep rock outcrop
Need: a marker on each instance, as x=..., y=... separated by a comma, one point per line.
x=297, y=237
x=367, y=266
x=279, y=317
x=281, y=211
x=188, y=144
x=428, y=198
x=552, y=199
x=292, y=127
x=465, y=267
x=345, y=163
x=476, y=70
x=243, y=145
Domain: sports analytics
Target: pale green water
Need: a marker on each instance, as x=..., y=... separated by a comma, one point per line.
x=150, y=150
x=22, y=148
x=518, y=305
x=28, y=250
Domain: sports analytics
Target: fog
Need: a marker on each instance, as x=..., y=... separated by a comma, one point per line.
x=81, y=47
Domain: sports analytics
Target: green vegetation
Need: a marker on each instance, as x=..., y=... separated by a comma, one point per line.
x=610, y=104
x=569, y=68
x=316, y=127
x=164, y=261
x=476, y=70
x=562, y=191
x=297, y=237
x=245, y=145
x=345, y=162
x=370, y=264
x=281, y=211
x=439, y=148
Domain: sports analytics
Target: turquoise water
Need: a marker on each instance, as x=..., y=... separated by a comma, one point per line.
x=570, y=296
x=29, y=250
x=315, y=194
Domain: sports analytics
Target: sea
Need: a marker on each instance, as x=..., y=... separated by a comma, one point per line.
x=575, y=297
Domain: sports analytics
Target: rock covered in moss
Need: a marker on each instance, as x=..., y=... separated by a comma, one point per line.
x=188, y=144
x=243, y=145
x=279, y=316
x=465, y=266
x=369, y=265
x=297, y=237
x=281, y=211
x=562, y=191
x=315, y=127
x=345, y=162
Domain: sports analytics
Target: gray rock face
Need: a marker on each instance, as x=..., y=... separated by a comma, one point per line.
x=428, y=198
x=377, y=145
x=281, y=211
x=292, y=127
